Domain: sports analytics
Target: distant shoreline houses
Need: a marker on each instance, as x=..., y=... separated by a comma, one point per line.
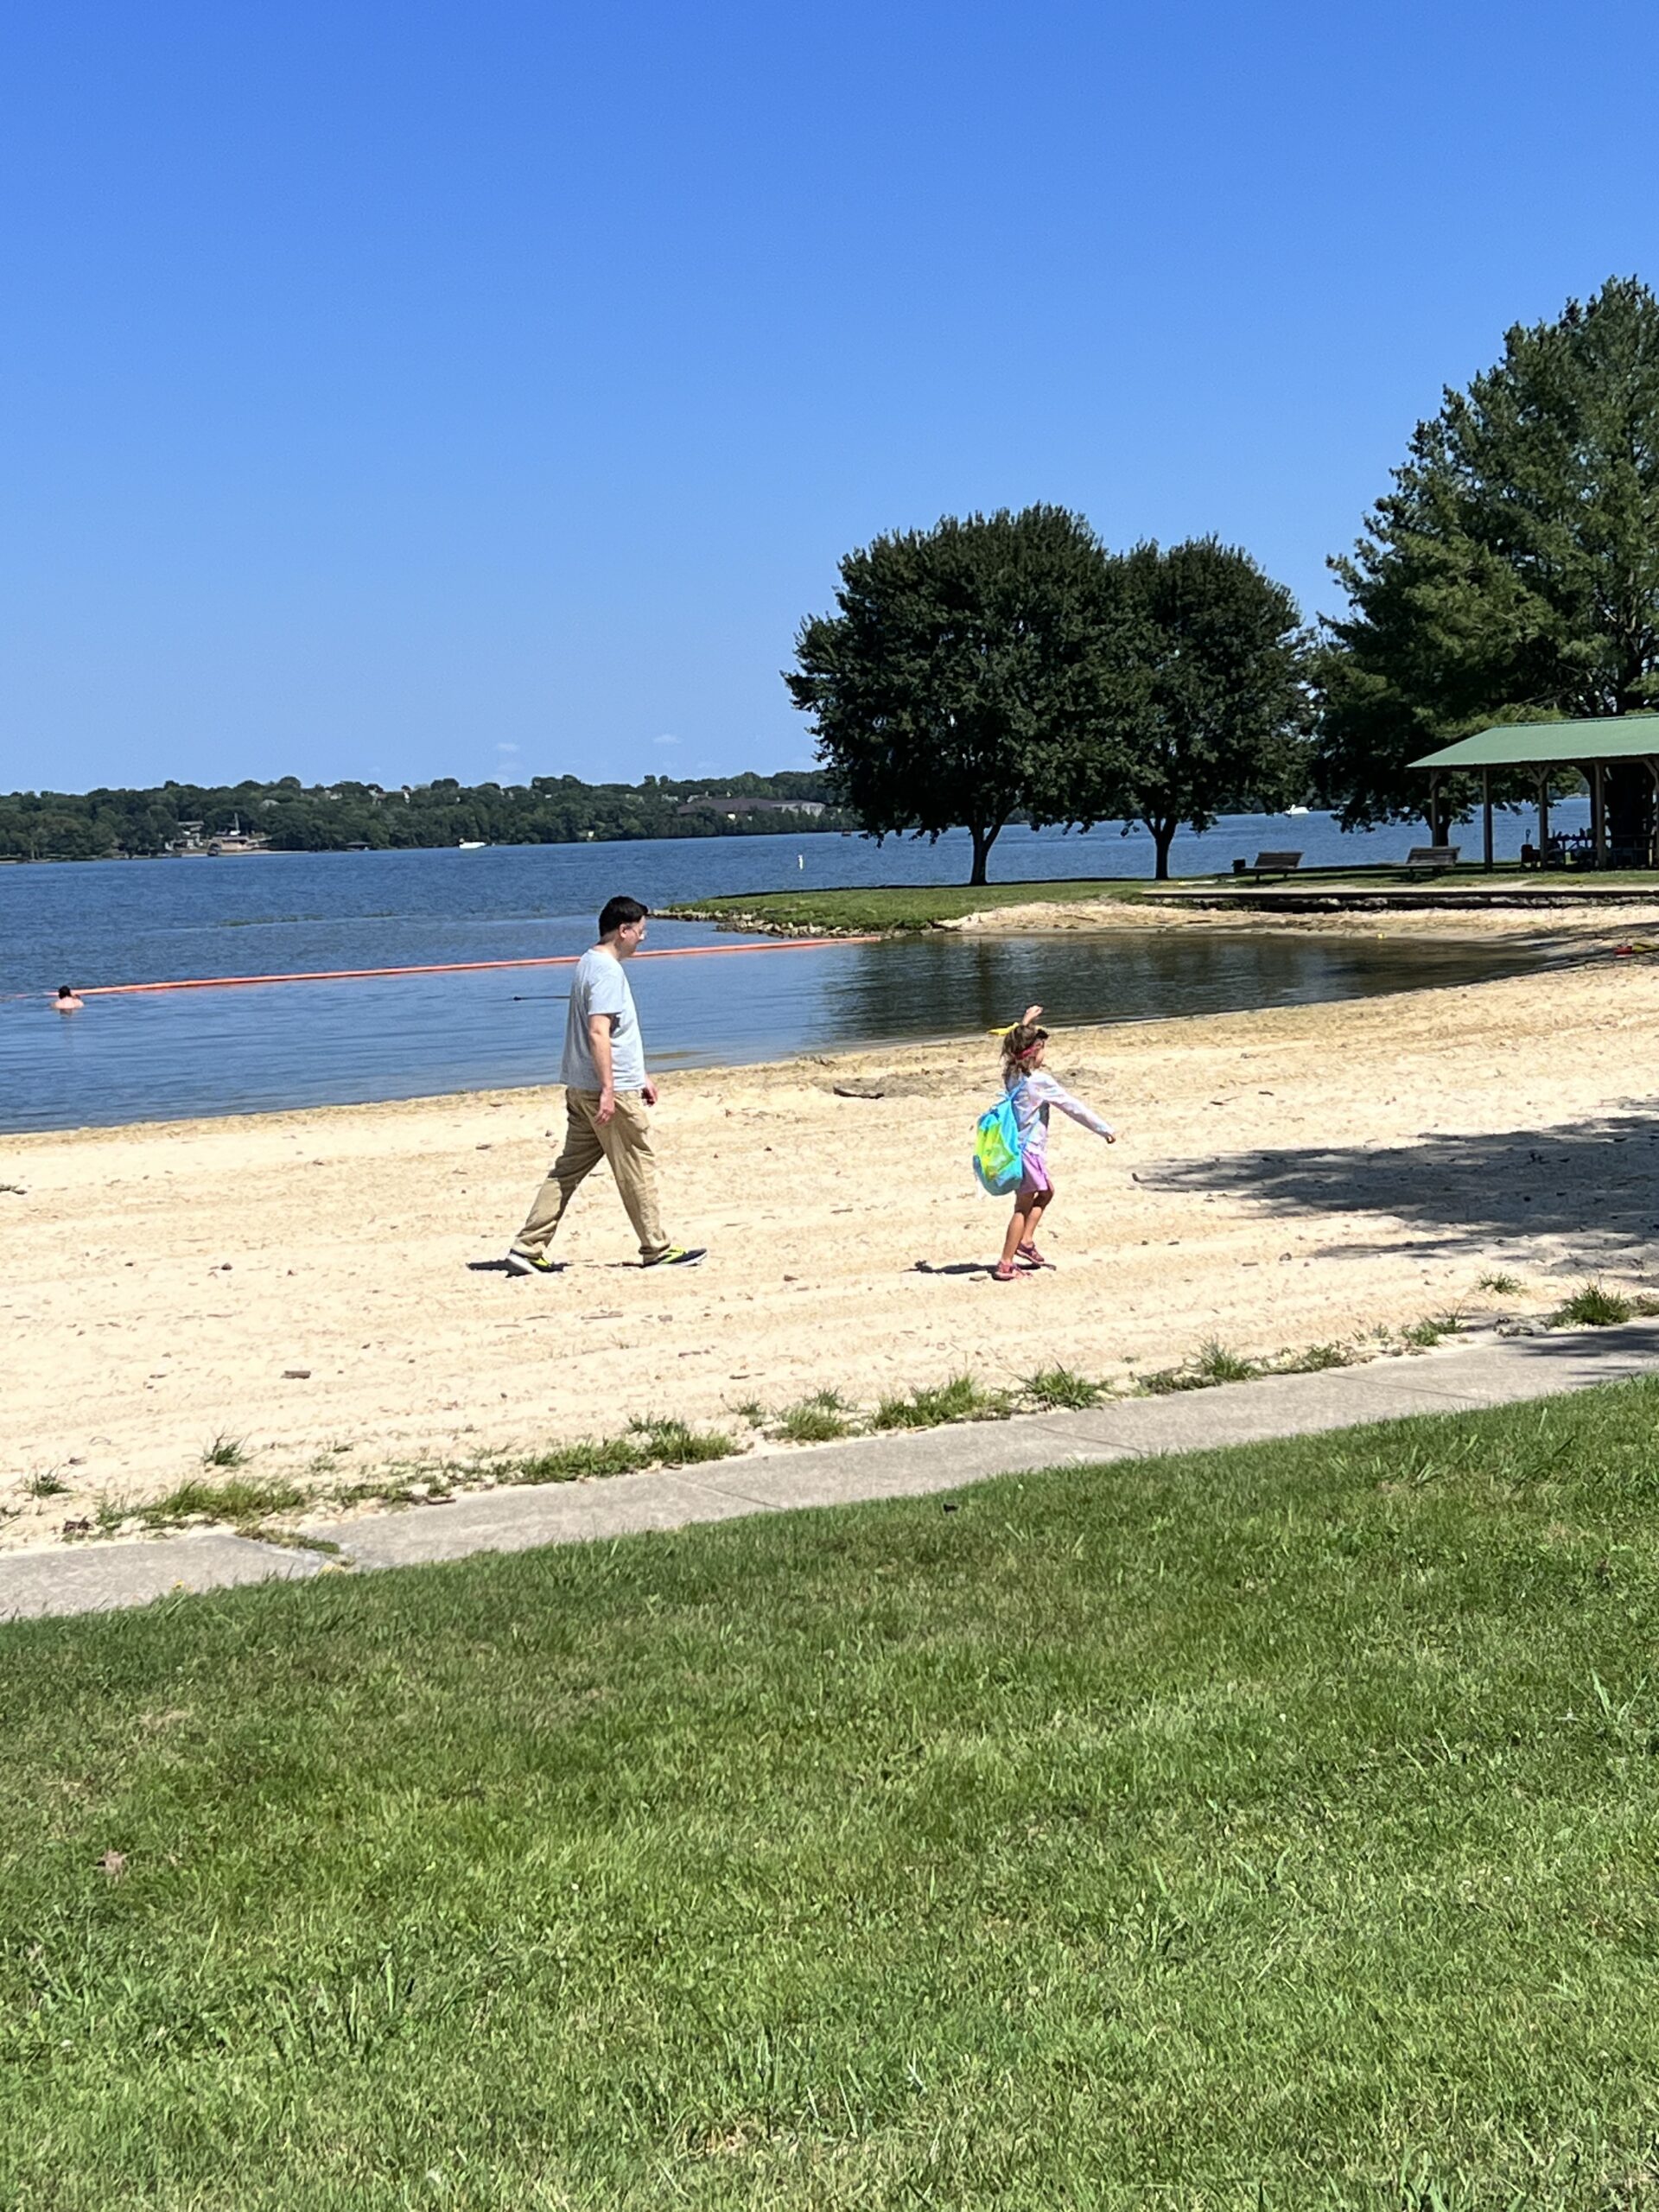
x=733, y=805
x=195, y=842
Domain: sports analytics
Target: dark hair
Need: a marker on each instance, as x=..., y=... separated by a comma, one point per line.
x=65, y=990
x=621, y=914
x=1019, y=1042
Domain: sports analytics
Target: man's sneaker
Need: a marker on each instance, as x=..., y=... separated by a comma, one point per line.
x=530, y=1264
x=677, y=1256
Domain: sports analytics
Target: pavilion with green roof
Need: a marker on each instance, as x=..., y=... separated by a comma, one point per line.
x=1546, y=748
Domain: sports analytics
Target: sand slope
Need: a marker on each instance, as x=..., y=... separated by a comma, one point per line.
x=1282, y=1177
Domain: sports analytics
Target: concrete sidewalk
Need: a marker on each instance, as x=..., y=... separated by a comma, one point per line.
x=1460, y=1378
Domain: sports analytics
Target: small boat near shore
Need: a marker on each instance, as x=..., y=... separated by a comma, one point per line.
x=473, y=845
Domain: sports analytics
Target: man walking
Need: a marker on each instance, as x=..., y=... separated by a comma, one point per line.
x=606, y=1092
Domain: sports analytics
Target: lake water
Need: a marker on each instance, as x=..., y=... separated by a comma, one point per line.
x=221, y=1051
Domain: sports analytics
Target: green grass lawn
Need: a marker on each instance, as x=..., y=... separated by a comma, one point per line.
x=895, y=906
x=919, y=907
x=1278, y=1827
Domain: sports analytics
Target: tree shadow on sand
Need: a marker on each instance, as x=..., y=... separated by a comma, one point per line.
x=1595, y=1182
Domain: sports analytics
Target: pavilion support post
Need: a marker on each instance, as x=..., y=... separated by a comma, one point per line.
x=1543, y=821
x=1598, y=813
x=1433, y=808
x=1486, y=818
x=1653, y=817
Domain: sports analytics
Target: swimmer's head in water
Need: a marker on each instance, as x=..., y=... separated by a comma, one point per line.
x=65, y=990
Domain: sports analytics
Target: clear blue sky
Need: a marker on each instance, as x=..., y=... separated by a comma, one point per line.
x=407, y=389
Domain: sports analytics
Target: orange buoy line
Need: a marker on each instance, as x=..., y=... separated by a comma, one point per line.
x=461, y=967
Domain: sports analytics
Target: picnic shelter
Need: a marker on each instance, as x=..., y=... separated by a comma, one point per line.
x=1591, y=746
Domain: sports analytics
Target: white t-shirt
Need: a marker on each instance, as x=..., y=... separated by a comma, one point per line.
x=598, y=986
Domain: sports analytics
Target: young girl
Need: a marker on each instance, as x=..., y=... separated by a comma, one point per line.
x=1033, y=1091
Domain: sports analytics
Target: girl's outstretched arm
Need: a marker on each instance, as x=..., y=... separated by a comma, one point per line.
x=1055, y=1094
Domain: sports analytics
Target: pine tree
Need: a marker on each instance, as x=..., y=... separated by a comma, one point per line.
x=1512, y=573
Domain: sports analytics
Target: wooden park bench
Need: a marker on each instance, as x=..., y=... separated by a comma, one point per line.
x=1430, y=860
x=1269, y=864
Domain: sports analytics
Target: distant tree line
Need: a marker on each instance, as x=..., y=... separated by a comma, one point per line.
x=1009, y=666
x=296, y=817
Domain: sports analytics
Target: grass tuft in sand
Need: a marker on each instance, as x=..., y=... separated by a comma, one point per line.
x=1059, y=1387
x=820, y=1419
x=960, y=1399
x=1592, y=1306
x=237, y=1503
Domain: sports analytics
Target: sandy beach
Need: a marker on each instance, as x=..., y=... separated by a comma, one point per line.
x=317, y=1285
x=1562, y=928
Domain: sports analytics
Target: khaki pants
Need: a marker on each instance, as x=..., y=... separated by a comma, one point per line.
x=625, y=1141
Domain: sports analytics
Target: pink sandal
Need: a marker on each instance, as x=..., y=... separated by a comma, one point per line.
x=1004, y=1271
x=1030, y=1258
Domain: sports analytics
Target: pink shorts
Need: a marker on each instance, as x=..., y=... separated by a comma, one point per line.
x=1033, y=1176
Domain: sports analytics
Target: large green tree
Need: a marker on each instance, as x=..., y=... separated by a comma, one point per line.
x=1512, y=572
x=1210, y=707
x=963, y=666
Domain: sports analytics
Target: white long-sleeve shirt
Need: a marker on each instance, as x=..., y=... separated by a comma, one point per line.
x=1033, y=1094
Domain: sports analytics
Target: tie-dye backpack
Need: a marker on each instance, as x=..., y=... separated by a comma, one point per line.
x=999, y=1155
